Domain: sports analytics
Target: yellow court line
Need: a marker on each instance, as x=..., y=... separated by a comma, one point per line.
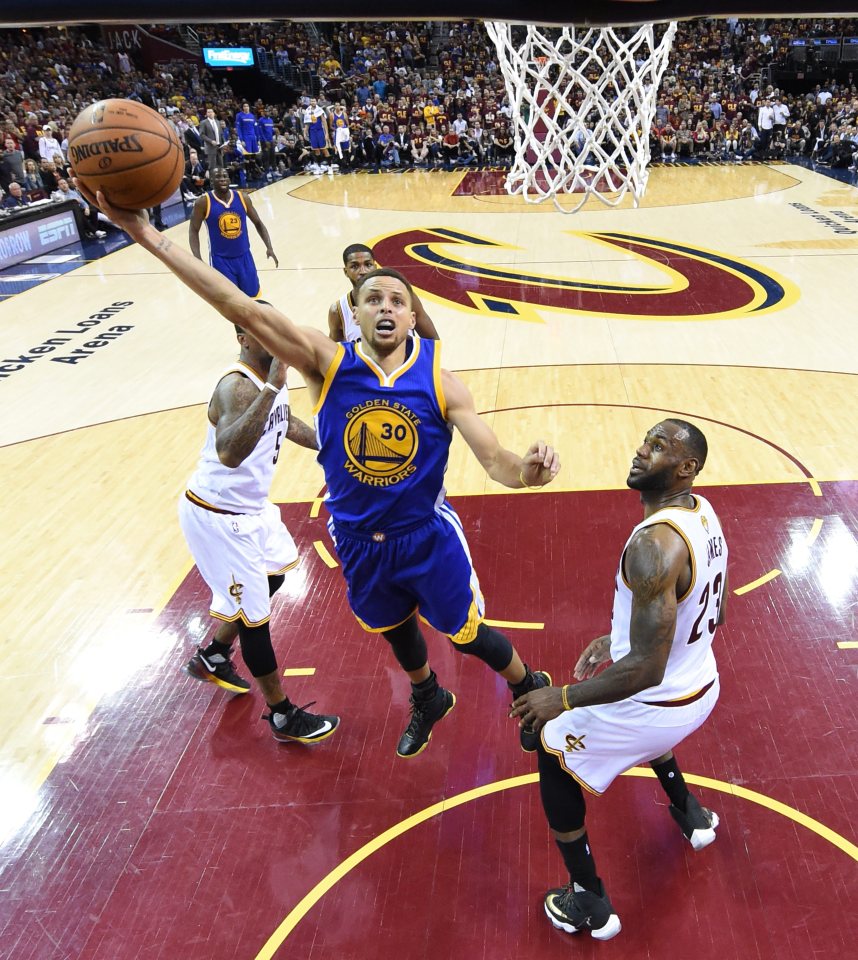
x=299, y=671
x=817, y=492
x=757, y=583
x=301, y=909
x=847, y=644
x=814, y=531
x=324, y=553
x=316, y=507
x=515, y=624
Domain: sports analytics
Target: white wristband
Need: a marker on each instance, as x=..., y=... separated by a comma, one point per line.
x=271, y=387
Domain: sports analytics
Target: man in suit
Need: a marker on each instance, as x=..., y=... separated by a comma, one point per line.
x=214, y=140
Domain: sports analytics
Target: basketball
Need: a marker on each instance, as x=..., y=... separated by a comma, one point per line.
x=128, y=151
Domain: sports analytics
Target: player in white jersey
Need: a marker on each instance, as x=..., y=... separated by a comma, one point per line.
x=239, y=542
x=358, y=261
x=671, y=591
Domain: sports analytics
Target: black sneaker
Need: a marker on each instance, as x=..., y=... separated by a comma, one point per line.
x=217, y=669
x=424, y=715
x=527, y=736
x=573, y=909
x=296, y=725
x=697, y=823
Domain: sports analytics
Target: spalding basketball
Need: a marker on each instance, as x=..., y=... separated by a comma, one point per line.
x=127, y=151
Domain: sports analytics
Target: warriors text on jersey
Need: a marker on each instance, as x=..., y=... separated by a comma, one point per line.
x=242, y=489
x=383, y=439
x=691, y=664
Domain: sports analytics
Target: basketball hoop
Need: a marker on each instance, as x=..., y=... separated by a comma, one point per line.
x=582, y=106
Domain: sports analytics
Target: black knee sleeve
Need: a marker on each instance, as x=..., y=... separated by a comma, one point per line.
x=257, y=650
x=275, y=582
x=408, y=645
x=490, y=646
x=562, y=796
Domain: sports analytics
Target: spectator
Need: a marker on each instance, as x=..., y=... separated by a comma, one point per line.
x=17, y=197
x=11, y=164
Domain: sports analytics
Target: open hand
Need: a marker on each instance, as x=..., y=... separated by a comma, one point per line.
x=597, y=653
x=127, y=220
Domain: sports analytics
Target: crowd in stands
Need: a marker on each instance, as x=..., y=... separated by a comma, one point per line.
x=398, y=95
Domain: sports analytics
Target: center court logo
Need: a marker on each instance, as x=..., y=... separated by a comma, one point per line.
x=687, y=282
x=229, y=224
x=380, y=441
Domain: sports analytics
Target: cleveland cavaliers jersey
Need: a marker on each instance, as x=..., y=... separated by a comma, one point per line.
x=351, y=328
x=691, y=664
x=383, y=438
x=226, y=221
x=242, y=489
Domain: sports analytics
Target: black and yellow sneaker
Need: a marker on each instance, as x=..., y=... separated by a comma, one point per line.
x=424, y=715
x=527, y=736
x=218, y=669
x=296, y=725
x=573, y=909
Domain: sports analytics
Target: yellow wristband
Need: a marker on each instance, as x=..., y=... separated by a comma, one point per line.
x=563, y=697
x=524, y=483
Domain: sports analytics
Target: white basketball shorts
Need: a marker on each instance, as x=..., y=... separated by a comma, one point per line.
x=596, y=744
x=235, y=555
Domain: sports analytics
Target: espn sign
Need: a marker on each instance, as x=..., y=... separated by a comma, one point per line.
x=21, y=241
x=57, y=232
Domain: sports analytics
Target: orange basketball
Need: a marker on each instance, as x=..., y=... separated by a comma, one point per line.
x=128, y=151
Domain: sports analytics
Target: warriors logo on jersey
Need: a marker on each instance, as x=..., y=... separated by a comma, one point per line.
x=229, y=224
x=381, y=442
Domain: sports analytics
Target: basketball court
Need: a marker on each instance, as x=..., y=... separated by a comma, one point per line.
x=150, y=816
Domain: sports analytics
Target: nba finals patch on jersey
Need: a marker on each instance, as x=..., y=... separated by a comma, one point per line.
x=380, y=441
x=229, y=224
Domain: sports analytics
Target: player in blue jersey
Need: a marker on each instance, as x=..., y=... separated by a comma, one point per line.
x=225, y=213
x=265, y=126
x=385, y=413
x=246, y=129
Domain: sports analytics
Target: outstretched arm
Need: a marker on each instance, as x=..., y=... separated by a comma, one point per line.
x=536, y=468
x=308, y=350
x=261, y=229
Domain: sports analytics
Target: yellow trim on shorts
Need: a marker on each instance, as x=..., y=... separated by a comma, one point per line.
x=330, y=373
x=393, y=626
x=564, y=768
x=468, y=632
x=436, y=379
x=239, y=616
x=286, y=569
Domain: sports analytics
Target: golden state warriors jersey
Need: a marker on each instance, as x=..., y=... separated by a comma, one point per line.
x=242, y=489
x=691, y=664
x=383, y=438
x=226, y=221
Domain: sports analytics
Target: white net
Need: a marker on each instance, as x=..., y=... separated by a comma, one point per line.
x=582, y=105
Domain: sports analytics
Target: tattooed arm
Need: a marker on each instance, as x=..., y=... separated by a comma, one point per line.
x=239, y=412
x=301, y=433
x=654, y=563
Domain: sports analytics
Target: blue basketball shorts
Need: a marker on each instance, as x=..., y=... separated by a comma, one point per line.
x=251, y=144
x=426, y=570
x=241, y=270
x=317, y=138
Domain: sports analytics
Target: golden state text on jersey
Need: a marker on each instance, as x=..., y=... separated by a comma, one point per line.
x=384, y=439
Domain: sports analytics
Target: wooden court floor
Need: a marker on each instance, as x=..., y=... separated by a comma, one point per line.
x=148, y=816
